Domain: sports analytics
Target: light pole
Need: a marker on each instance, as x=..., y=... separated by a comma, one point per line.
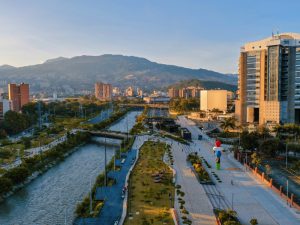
x=127, y=126
x=232, y=200
x=91, y=200
x=286, y=154
x=115, y=159
x=287, y=191
x=105, y=178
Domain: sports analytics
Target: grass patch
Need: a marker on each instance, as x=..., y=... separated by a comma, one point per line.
x=148, y=201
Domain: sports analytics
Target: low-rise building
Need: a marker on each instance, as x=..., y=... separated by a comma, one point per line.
x=213, y=99
x=156, y=99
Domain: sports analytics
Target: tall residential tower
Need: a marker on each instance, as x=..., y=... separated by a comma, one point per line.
x=18, y=95
x=103, y=91
x=269, y=81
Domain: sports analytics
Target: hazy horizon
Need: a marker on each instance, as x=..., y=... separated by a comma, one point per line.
x=193, y=34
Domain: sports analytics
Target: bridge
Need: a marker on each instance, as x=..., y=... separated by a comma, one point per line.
x=160, y=106
x=107, y=134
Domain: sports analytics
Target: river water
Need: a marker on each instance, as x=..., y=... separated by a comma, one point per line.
x=53, y=196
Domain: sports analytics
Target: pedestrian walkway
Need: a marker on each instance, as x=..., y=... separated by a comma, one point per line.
x=246, y=195
x=113, y=196
x=196, y=200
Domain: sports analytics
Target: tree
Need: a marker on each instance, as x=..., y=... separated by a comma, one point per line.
x=17, y=175
x=26, y=142
x=15, y=122
x=5, y=153
x=256, y=160
x=249, y=141
x=268, y=169
x=269, y=148
x=228, y=123
x=3, y=134
x=253, y=221
x=5, y=185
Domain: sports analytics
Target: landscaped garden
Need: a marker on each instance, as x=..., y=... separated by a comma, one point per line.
x=151, y=191
x=196, y=162
x=227, y=217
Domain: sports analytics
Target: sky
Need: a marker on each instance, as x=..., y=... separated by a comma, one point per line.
x=190, y=33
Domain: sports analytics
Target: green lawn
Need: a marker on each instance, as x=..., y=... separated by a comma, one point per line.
x=148, y=201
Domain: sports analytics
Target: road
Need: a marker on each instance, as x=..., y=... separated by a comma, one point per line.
x=249, y=197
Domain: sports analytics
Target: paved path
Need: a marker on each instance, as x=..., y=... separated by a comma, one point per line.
x=112, y=195
x=38, y=150
x=248, y=196
x=196, y=200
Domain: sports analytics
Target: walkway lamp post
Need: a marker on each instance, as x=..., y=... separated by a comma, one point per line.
x=105, y=172
x=127, y=126
x=91, y=197
x=115, y=159
x=287, y=191
x=286, y=155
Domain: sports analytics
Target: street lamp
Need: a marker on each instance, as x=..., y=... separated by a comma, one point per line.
x=91, y=200
x=105, y=178
x=286, y=154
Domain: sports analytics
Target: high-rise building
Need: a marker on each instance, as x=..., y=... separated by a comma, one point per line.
x=139, y=92
x=213, y=99
x=116, y=91
x=269, y=81
x=129, y=92
x=185, y=93
x=18, y=95
x=173, y=93
x=103, y=91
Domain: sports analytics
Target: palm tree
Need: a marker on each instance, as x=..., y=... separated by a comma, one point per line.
x=228, y=123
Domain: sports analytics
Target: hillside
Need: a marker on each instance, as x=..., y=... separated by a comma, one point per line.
x=203, y=84
x=81, y=72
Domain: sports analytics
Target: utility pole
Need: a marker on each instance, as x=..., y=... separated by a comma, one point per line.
x=40, y=115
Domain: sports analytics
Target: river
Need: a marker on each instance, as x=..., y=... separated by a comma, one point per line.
x=53, y=196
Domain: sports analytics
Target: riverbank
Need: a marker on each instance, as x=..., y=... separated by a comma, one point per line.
x=91, y=208
x=16, y=178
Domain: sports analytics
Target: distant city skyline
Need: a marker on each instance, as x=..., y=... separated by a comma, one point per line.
x=193, y=34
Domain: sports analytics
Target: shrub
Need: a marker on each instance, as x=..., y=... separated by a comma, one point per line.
x=5, y=185
x=17, y=175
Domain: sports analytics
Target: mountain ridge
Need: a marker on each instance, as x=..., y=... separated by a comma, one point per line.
x=63, y=74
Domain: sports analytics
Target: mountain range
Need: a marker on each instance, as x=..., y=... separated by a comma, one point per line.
x=65, y=75
x=203, y=84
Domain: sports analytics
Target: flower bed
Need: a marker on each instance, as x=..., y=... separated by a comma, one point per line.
x=199, y=169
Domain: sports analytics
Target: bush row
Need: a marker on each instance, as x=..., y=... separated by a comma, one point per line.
x=199, y=168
